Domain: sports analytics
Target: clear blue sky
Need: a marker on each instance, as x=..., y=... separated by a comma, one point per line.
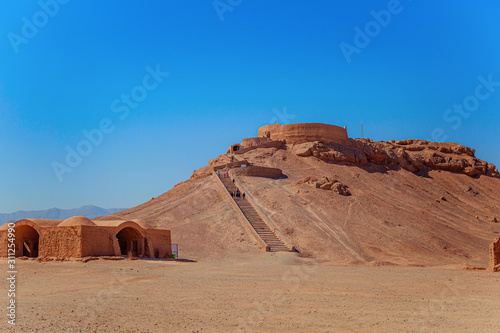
x=232, y=67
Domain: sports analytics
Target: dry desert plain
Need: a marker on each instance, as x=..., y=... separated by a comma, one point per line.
x=252, y=292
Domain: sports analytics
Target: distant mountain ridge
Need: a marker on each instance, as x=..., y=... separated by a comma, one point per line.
x=88, y=211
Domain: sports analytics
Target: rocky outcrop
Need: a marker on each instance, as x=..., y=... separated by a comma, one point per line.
x=341, y=189
x=412, y=155
x=304, y=132
x=324, y=183
x=332, y=153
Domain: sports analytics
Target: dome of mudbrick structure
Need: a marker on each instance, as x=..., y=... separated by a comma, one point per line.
x=76, y=220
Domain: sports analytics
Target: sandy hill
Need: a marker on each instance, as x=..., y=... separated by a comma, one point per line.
x=411, y=202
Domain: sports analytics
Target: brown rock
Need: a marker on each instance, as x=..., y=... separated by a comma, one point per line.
x=321, y=181
x=472, y=172
x=304, y=149
x=341, y=189
x=417, y=155
x=311, y=148
x=319, y=146
x=412, y=155
x=405, y=142
x=326, y=186
x=492, y=171
x=339, y=153
x=471, y=191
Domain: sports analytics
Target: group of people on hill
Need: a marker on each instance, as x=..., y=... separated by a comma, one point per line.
x=259, y=143
x=224, y=174
x=237, y=194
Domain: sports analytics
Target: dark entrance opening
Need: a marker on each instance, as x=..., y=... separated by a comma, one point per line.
x=146, y=248
x=123, y=247
x=28, y=240
x=236, y=147
x=129, y=240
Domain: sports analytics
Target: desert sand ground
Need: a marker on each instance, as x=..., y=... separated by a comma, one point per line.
x=252, y=292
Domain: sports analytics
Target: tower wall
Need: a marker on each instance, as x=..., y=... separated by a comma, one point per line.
x=304, y=132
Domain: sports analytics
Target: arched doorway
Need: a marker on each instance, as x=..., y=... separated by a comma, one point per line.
x=130, y=242
x=27, y=241
x=235, y=147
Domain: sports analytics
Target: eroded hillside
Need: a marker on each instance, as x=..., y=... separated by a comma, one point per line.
x=412, y=202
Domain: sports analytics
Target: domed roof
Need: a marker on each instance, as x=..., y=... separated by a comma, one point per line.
x=143, y=224
x=76, y=220
x=38, y=222
x=44, y=222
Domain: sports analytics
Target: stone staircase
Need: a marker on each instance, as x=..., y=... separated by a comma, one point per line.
x=266, y=234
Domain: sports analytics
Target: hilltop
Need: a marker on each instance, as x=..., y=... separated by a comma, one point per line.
x=340, y=200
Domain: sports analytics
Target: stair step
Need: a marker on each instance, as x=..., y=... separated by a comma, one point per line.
x=256, y=221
